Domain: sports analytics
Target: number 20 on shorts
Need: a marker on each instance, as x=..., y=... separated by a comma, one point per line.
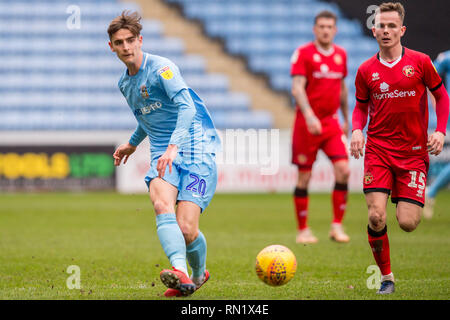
x=197, y=185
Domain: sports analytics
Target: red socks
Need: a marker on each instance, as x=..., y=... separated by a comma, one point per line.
x=301, y=207
x=379, y=243
x=339, y=199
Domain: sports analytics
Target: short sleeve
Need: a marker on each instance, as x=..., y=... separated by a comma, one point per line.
x=171, y=80
x=362, y=90
x=298, y=63
x=431, y=77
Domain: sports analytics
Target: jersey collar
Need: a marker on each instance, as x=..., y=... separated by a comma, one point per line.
x=324, y=52
x=391, y=65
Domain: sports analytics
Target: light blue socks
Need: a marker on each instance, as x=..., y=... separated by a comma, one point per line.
x=196, y=256
x=172, y=240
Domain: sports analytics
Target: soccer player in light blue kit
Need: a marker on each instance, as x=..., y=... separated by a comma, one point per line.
x=183, y=143
x=442, y=65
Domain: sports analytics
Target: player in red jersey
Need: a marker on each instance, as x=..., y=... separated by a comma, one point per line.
x=392, y=88
x=318, y=86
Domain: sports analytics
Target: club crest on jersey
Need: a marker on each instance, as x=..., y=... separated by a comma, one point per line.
x=316, y=57
x=144, y=92
x=384, y=87
x=338, y=59
x=375, y=76
x=368, y=178
x=166, y=73
x=408, y=71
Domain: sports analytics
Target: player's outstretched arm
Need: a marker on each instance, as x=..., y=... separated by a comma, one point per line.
x=123, y=151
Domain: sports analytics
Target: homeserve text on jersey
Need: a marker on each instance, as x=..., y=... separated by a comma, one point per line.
x=230, y=309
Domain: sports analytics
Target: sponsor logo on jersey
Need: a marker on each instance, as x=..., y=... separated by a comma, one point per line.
x=144, y=92
x=375, y=76
x=368, y=178
x=394, y=94
x=166, y=73
x=408, y=71
x=384, y=87
x=316, y=57
x=147, y=109
x=326, y=73
x=324, y=68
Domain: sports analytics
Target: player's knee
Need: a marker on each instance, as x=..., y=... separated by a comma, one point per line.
x=377, y=218
x=408, y=224
x=303, y=179
x=342, y=173
x=346, y=173
x=162, y=206
x=408, y=216
x=189, y=231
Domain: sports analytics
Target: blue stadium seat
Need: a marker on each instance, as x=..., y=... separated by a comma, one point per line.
x=56, y=77
x=236, y=120
x=267, y=32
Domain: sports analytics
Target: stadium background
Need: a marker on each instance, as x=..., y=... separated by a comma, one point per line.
x=62, y=114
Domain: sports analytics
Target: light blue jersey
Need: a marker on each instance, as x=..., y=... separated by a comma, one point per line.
x=442, y=65
x=169, y=112
x=152, y=95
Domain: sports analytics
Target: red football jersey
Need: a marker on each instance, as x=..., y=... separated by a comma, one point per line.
x=324, y=72
x=397, y=96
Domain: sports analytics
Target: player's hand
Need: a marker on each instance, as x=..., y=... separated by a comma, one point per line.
x=166, y=159
x=435, y=143
x=124, y=150
x=357, y=144
x=313, y=124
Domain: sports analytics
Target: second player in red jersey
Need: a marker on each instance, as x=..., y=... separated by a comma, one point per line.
x=397, y=93
x=318, y=86
x=397, y=133
x=391, y=88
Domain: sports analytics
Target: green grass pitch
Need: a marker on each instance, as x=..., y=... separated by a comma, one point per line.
x=112, y=238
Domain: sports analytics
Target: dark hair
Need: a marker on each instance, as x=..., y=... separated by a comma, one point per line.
x=325, y=14
x=392, y=6
x=127, y=20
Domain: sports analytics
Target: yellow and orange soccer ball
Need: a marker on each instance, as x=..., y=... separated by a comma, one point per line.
x=276, y=265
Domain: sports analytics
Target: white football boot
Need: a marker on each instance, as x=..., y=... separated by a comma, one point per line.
x=337, y=233
x=305, y=236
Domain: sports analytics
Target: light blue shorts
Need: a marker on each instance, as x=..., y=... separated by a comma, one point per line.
x=196, y=181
